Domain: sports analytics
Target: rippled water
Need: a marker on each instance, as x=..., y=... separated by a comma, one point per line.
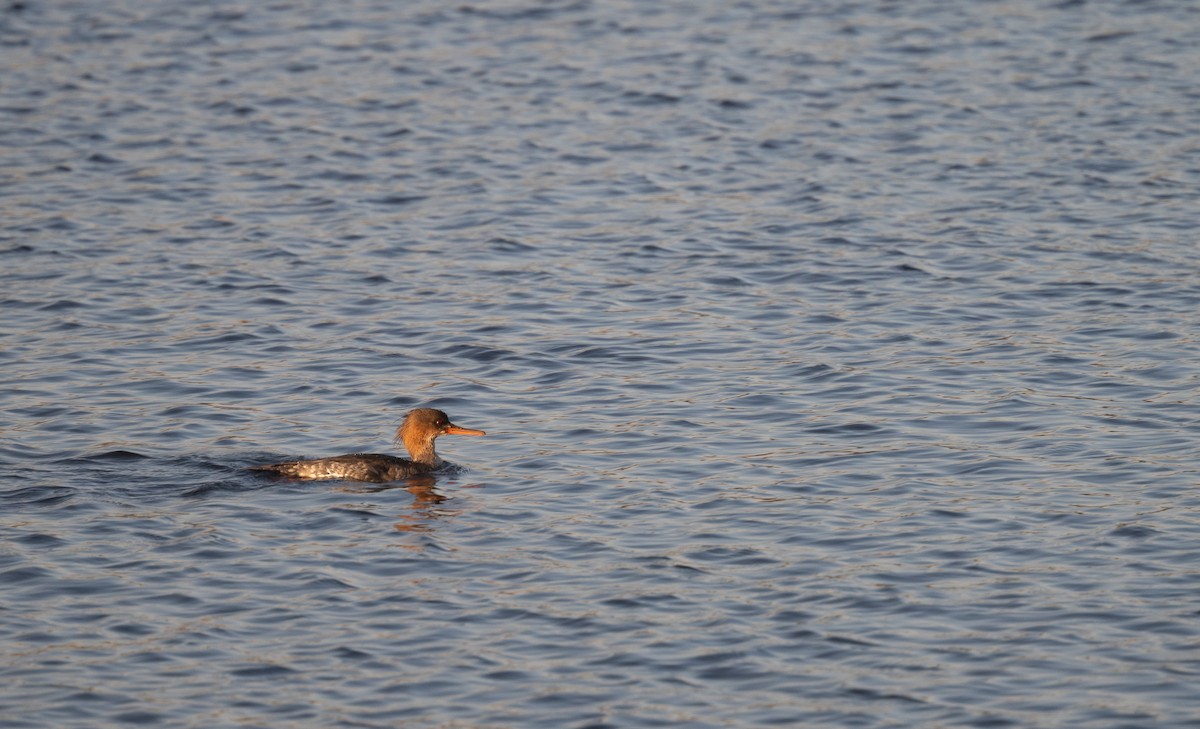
x=838, y=361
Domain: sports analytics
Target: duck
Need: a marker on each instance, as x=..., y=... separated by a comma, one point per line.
x=420, y=428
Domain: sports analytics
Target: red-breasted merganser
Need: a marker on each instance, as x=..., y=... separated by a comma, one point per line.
x=417, y=433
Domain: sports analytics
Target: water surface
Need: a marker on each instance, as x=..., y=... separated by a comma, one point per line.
x=838, y=363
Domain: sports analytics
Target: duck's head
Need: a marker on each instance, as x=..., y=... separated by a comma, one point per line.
x=419, y=429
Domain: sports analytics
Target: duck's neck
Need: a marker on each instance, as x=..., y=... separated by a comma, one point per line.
x=419, y=449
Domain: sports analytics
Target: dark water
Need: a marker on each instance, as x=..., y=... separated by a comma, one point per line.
x=838, y=359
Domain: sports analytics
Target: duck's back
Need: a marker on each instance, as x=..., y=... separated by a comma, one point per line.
x=373, y=467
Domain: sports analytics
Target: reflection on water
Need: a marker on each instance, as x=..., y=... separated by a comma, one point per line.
x=422, y=489
x=838, y=363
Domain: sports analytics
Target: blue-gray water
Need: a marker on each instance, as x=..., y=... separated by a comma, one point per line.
x=838, y=359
